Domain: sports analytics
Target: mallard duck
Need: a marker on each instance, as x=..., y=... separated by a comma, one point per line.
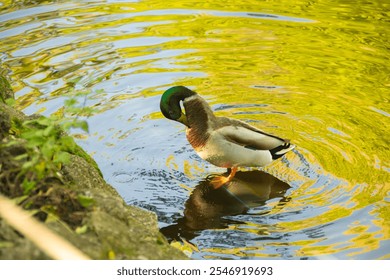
x=222, y=141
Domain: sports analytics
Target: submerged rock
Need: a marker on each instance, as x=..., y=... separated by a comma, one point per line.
x=74, y=202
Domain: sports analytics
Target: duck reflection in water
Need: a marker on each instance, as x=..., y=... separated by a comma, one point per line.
x=207, y=207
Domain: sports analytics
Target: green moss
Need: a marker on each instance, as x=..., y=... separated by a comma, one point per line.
x=5, y=89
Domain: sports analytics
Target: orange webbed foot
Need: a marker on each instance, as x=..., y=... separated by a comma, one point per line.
x=219, y=181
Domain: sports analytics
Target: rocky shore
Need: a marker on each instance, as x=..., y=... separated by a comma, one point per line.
x=72, y=199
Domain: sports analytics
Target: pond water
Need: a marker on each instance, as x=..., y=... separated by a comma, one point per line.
x=316, y=72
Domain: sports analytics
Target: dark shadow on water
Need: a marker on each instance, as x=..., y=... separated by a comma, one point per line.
x=207, y=208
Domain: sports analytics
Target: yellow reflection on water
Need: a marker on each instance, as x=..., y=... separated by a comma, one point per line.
x=314, y=72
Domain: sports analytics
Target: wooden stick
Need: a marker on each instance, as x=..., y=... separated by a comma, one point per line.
x=50, y=243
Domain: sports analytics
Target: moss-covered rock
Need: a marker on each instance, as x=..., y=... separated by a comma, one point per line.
x=5, y=88
x=74, y=201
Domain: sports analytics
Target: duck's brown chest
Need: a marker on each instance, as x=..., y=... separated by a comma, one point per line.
x=197, y=137
x=199, y=116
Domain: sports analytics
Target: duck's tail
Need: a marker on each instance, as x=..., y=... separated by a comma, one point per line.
x=279, y=151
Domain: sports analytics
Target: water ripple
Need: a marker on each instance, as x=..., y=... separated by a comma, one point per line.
x=303, y=72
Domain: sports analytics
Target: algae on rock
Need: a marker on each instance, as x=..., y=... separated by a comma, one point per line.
x=5, y=89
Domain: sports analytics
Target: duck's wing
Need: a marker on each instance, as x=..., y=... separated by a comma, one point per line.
x=248, y=136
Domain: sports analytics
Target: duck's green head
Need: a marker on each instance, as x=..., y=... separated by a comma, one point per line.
x=170, y=103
